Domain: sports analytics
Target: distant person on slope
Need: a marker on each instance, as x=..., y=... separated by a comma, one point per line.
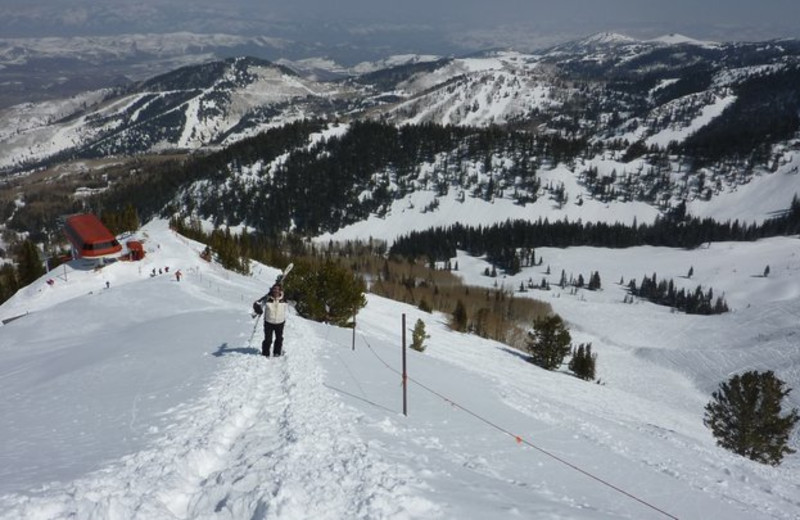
x=274, y=308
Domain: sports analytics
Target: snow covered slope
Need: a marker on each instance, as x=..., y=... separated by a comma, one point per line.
x=763, y=197
x=149, y=399
x=479, y=91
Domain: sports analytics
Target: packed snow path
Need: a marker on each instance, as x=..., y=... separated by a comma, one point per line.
x=261, y=443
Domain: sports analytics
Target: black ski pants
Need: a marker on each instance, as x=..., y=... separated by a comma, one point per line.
x=269, y=330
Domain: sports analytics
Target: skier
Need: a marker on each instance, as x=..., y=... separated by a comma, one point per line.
x=274, y=308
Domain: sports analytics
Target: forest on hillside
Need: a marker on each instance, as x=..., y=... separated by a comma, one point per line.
x=291, y=178
x=504, y=243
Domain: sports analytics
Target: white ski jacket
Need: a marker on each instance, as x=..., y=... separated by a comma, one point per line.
x=274, y=308
x=275, y=311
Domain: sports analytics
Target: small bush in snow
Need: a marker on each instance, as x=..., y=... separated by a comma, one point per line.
x=418, y=336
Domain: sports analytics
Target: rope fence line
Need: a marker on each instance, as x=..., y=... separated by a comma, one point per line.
x=518, y=438
x=347, y=368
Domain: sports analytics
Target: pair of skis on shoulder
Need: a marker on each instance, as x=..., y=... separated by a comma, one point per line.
x=282, y=275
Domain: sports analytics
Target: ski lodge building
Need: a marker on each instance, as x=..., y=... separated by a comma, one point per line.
x=90, y=238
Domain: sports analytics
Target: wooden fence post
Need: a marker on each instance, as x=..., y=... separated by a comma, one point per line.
x=355, y=311
x=405, y=375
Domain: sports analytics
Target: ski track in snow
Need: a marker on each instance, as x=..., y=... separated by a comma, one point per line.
x=261, y=443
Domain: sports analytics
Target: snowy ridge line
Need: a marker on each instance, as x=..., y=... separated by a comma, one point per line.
x=518, y=438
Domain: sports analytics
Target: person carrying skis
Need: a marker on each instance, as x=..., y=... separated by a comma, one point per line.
x=274, y=309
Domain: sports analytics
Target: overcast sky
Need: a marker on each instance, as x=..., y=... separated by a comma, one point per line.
x=723, y=20
x=562, y=12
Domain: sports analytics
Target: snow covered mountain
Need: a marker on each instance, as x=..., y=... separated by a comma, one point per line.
x=186, y=109
x=602, y=130
x=148, y=399
x=130, y=395
x=47, y=69
x=604, y=87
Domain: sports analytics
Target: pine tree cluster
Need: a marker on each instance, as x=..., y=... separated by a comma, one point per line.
x=233, y=252
x=664, y=292
x=676, y=230
x=29, y=263
x=119, y=222
x=583, y=362
x=319, y=184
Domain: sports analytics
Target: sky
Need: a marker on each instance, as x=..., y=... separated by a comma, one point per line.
x=147, y=398
x=461, y=22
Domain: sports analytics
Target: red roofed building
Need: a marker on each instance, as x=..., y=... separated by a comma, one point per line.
x=136, y=250
x=89, y=237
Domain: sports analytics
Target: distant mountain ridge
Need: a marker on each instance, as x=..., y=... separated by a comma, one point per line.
x=188, y=108
x=604, y=86
x=658, y=123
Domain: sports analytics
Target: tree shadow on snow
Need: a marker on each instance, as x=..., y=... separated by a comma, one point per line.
x=515, y=352
x=224, y=350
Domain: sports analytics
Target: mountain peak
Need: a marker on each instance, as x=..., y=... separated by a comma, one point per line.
x=601, y=40
x=680, y=39
x=607, y=38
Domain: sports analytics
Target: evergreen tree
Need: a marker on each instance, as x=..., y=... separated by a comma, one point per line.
x=229, y=251
x=8, y=282
x=424, y=306
x=515, y=266
x=29, y=264
x=385, y=274
x=766, y=271
x=594, y=281
x=549, y=343
x=745, y=417
x=119, y=222
x=130, y=218
x=583, y=362
x=326, y=292
x=418, y=336
x=459, y=319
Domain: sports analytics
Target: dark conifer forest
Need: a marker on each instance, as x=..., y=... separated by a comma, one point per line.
x=497, y=240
